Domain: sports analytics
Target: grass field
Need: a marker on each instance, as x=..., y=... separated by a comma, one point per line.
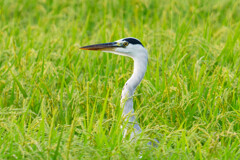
x=59, y=102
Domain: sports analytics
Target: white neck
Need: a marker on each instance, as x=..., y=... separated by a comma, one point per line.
x=140, y=67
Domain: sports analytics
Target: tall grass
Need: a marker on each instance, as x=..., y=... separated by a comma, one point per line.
x=58, y=102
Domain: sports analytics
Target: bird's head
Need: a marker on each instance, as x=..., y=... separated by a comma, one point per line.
x=130, y=47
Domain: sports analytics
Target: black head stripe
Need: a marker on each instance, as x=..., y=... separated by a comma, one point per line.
x=132, y=41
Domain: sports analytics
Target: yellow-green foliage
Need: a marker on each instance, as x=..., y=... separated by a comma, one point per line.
x=59, y=102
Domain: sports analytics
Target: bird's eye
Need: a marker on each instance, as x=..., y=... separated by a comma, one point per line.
x=125, y=44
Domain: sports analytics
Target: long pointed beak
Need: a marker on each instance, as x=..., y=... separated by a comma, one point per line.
x=103, y=46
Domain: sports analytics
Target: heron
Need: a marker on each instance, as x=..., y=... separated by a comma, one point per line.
x=133, y=48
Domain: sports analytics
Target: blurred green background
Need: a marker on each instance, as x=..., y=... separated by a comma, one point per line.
x=58, y=102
